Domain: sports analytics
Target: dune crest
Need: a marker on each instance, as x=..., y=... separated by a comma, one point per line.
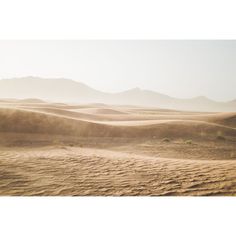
x=51, y=149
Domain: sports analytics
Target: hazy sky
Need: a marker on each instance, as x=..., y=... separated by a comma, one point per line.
x=182, y=69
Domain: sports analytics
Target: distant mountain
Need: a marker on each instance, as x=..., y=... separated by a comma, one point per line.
x=65, y=90
x=233, y=102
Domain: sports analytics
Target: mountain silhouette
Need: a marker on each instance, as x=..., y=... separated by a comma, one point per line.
x=66, y=90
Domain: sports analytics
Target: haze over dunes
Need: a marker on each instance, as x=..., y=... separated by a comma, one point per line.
x=58, y=148
x=69, y=91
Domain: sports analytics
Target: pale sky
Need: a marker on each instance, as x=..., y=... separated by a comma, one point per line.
x=181, y=69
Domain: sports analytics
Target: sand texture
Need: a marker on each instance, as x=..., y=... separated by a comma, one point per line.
x=58, y=149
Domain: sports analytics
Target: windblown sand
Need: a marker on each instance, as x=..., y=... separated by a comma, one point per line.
x=51, y=149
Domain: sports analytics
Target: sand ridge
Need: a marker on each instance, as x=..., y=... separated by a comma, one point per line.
x=64, y=149
x=83, y=172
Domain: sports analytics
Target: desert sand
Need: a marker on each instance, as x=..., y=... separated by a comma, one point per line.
x=59, y=149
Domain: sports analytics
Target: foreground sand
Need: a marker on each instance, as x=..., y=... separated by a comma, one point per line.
x=83, y=171
x=93, y=150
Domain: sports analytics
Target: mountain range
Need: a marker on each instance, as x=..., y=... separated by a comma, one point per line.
x=66, y=90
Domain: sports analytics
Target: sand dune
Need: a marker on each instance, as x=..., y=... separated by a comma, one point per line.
x=97, y=149
x=108, y=111
x=30, y=100
x=17, y=120
x=82, y=172
x=228, y=119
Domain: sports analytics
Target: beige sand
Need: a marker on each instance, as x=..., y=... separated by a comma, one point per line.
x=55, y=149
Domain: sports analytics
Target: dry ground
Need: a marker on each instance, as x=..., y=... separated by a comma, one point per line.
x=51, y=149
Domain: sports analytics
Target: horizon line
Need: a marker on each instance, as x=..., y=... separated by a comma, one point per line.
x=122, y=91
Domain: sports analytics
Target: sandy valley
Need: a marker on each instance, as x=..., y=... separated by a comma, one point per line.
x=51, y=149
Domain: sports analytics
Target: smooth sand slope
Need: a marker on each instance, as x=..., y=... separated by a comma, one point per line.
x=96, y=149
